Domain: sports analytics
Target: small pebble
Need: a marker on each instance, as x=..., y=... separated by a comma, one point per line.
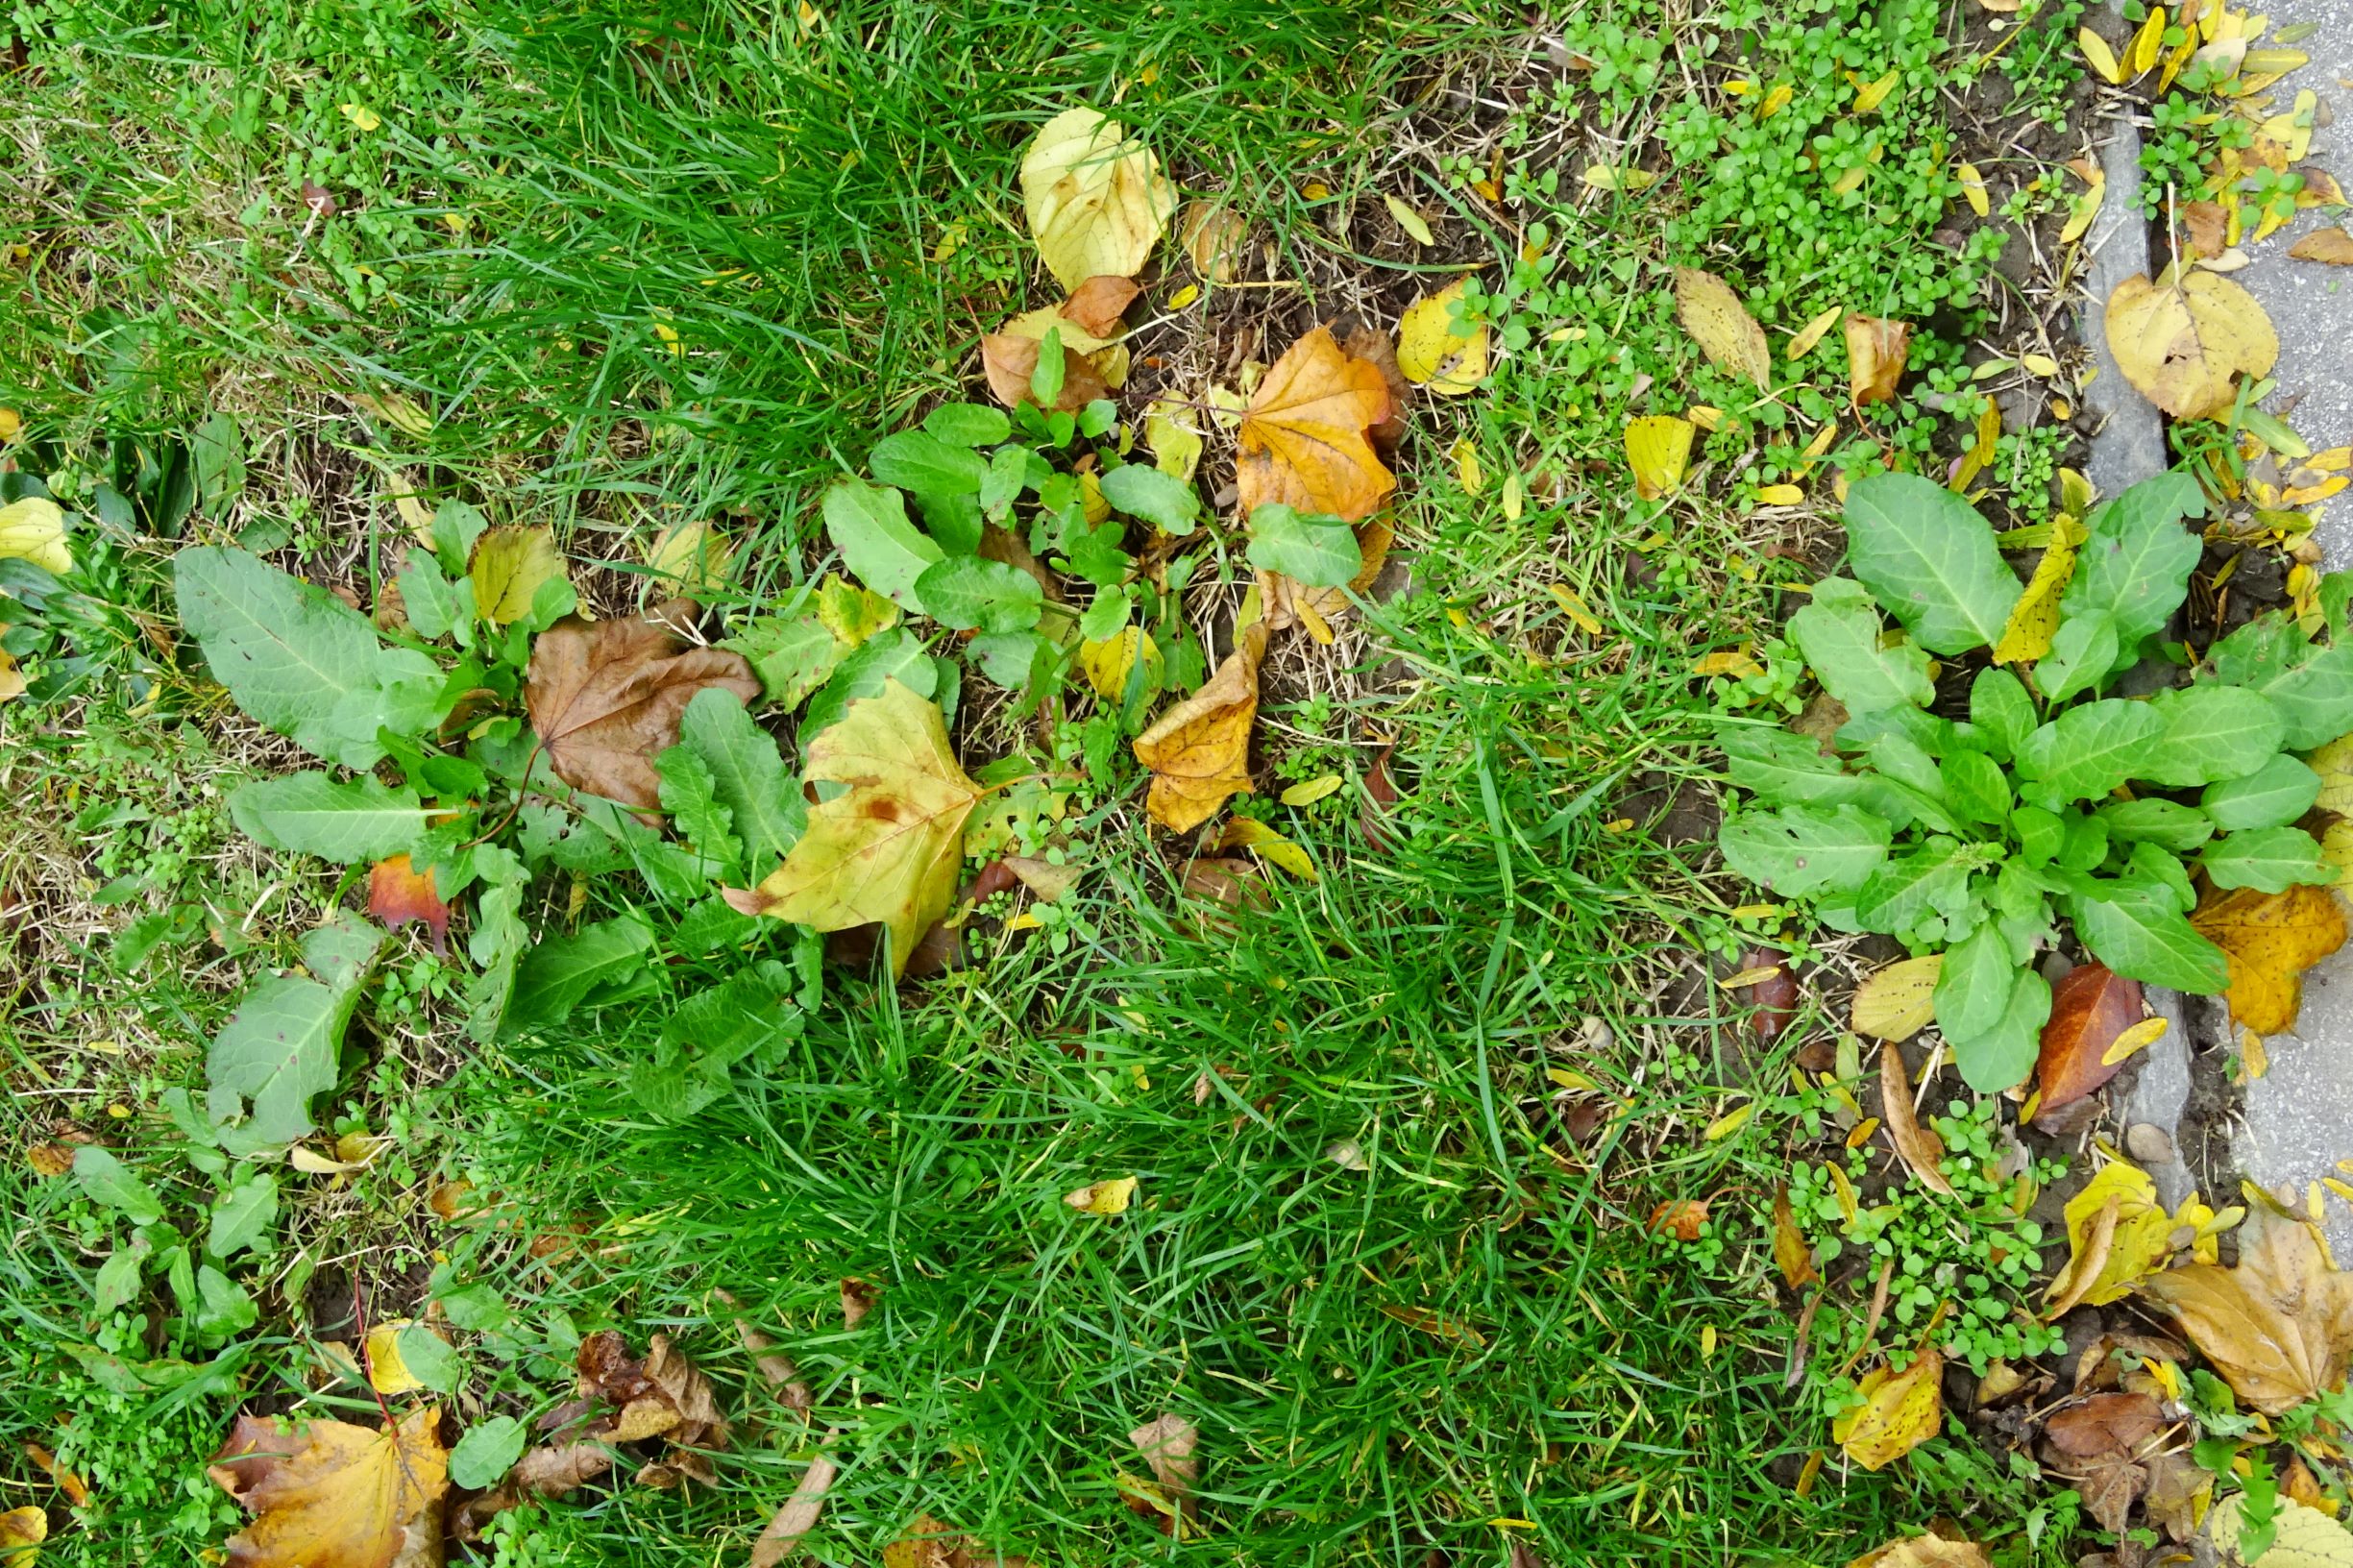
x=2149, y=1143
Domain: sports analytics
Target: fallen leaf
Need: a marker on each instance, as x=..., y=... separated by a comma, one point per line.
x=1269, y=845
x=1899, y=1001
x=2103, y=59
x=2301, y=1536
x=1411, y=222
x=1288, y=602
x=1680, y=1219
x=2103, y=1424
x=1096, y=305
x=1812, y=332
x=1172, y=430
x=1721, y=325
x=2182, y=346
x=1876, y=349
x=510, y=566
x=1213, y=236
x=2084, y=209
x=605, y=698
x=1790, y=1253
x=2117, y=1234
x=693, y=557
x=1168, y=1445
x=1198, y=753
x=858, y=1298
x=49, y=1160
x=2034, y=619
x=1973, y=189
x=2271, y=939
x=398, y=893
x=1010, y=363
x=1436, y=1324
x=1105, y=1199
x=1930, y=1550
x=1658, y=450
x=387, y=1372
x=780, y=1540
x=21, y=1533
x=2279, y=1326
x=329, y=1495
x=1429, y=353
x=1097, y=200
x=2332, y=245
x=1900, y=1410
x=2090, y=1006
x=888, y=848
x=1302, y=440
x=32, y=528
x=1918, y=1147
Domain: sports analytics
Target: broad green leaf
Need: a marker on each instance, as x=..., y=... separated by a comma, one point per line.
x=242, y=1216
x=2137, y=932
x=224, y=1307
x=291, y=654
x=2084, y=841
x=435, y=607
x=2176, y=827
x=347, y=823
x=690, y=794
x=1907, y=762
x=2135, y=566
x=109, y=1183
x=1931, y=878
x=1804, y=849
x=1974, y=788
x=2272, y=796
x=2314, y=700
x=792, y=654
x=895, y=655
x=606, y=959
x=2266, y=859
x=2002, y=710
x=749, y=774
x=965, y=593
x=945, y=480
x=968, y=424
x=2152, y=866
x=2002, y=1055
x=1972, y=987
x=880, y=547
x=456, y=527
x=1011, y=659
x=217, y=446
x=430, y=1359
x=2082, y=652
x=1929, y=557
x=280, y=1047
x=1169, y=505
x=1782, y=768
x=2039, y=834
x=2088, y=750
x=496, y=945
x=2211, y=733
x=1839, y=633
x=2261, y=651
x=1320, y=551
x=487, y=1451
x=118, y=1281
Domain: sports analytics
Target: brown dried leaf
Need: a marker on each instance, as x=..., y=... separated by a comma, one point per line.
x=1213, y=236
x=2204, y=225
x=1010, y=361
x=1096, y=305
x=858, y=1298
x=398, y=893
x=2271, y=938
x=1712, y=313
x=1790, y=1253
x=50, y=1160
x=2103, y=1425
x=1199, y=751
x=782, y=1539
x=330, y=1495
x=1302, y=439
x=1876, y=349
x=1927, y=1551
x=605, y=698
x=1678, y=1217
x=2278, y=1327
x=1167, y=1446
x=1918, y=1147
x=776, y=1369
x=2332, y=245
x=2090, y=1006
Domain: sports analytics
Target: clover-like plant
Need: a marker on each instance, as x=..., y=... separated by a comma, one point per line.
x=1975, y=835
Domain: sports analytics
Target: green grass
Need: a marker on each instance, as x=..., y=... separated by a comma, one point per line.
x=825, y=216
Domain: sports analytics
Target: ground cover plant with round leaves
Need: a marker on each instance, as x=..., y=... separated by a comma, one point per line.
x=1969, y=814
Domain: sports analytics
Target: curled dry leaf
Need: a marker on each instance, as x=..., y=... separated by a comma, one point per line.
x=1097, y=202
x=858, y=1299
x=1374, y=348
x=2117, y=1234
x=398, y=893
x=2103, y=1424
x=887, y=849
x=2090, y=1006
x=1899, y=1001
x=329, y=1495
x=2087, y=1260
x=1919, y=1148
x=1930, y=1550
x=1721, y=325
x=1199, y=751
x=2279, y=1326
x=1168, y=1445
x=1900, y=1411
x=780, y=1540
x=605, y=698
x=776, y=1369
x=1010, y=361
x=2272, y=939
x=1876, y=349
x=1790, y=1253
x=1213, y=236
x=1303, y=435
x=2183, y=346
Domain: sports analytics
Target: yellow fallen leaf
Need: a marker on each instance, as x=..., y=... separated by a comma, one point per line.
x=1184, y=296
x=1310, y=790
x=1576, y=609
x=32, y=528
x=2116, y=1236
x=1812, y=332
x=1899, y=1001
x=1618, y=177
x=2278, y=1326
x=1704, y=415
x=1104, y=1199
x=1775, y=101
x=510, y=566
x=1869, y=97
x=1095, y=198
x=2086, y=207
x=693, y=555
x=363, y=118
x=1269, y=845
x=1721, y=325
x=2139, y=1038
x=1303, y=435
x=1172, y=430
x=1900, y=1411
x=1213, y=237
x=21, y=1533
x=1728, y=1123
x=1982, y=452
x=2182, y=346
x=2272, y=939
x=2034, y=619
x=1514, y=496
x=1779, y=495
x=2103, y=59
x=1429, y=353
x=1198, y=753
x=2302, y=1534
x=1110, y=663
x=332, y=1494
x=1737, y=662
x=1437, y=1324
x=2146, y=43
x=1876, y=349
x=1465, y=453
x=1658, y=450
x=1411, y=221
x=387, y=1372
x=1973, y=189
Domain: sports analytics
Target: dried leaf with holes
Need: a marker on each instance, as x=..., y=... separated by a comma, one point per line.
x=2272, y=939
x=1900, y=1411
x=605, y=698
x=1899, y=1001
x=1721, y=325
x=1302, y=439
x=1876, y=349
x=2279, y=1326
x=325, y=1494
x=1199, y=751
x=1918, y=1147
x=1097, y=200
x=887, y=849
x=398, y=893
x=2183, y=346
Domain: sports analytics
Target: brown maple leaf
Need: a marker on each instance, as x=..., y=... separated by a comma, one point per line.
x=398, y=893
x=325, y=1494
x=606, y=696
